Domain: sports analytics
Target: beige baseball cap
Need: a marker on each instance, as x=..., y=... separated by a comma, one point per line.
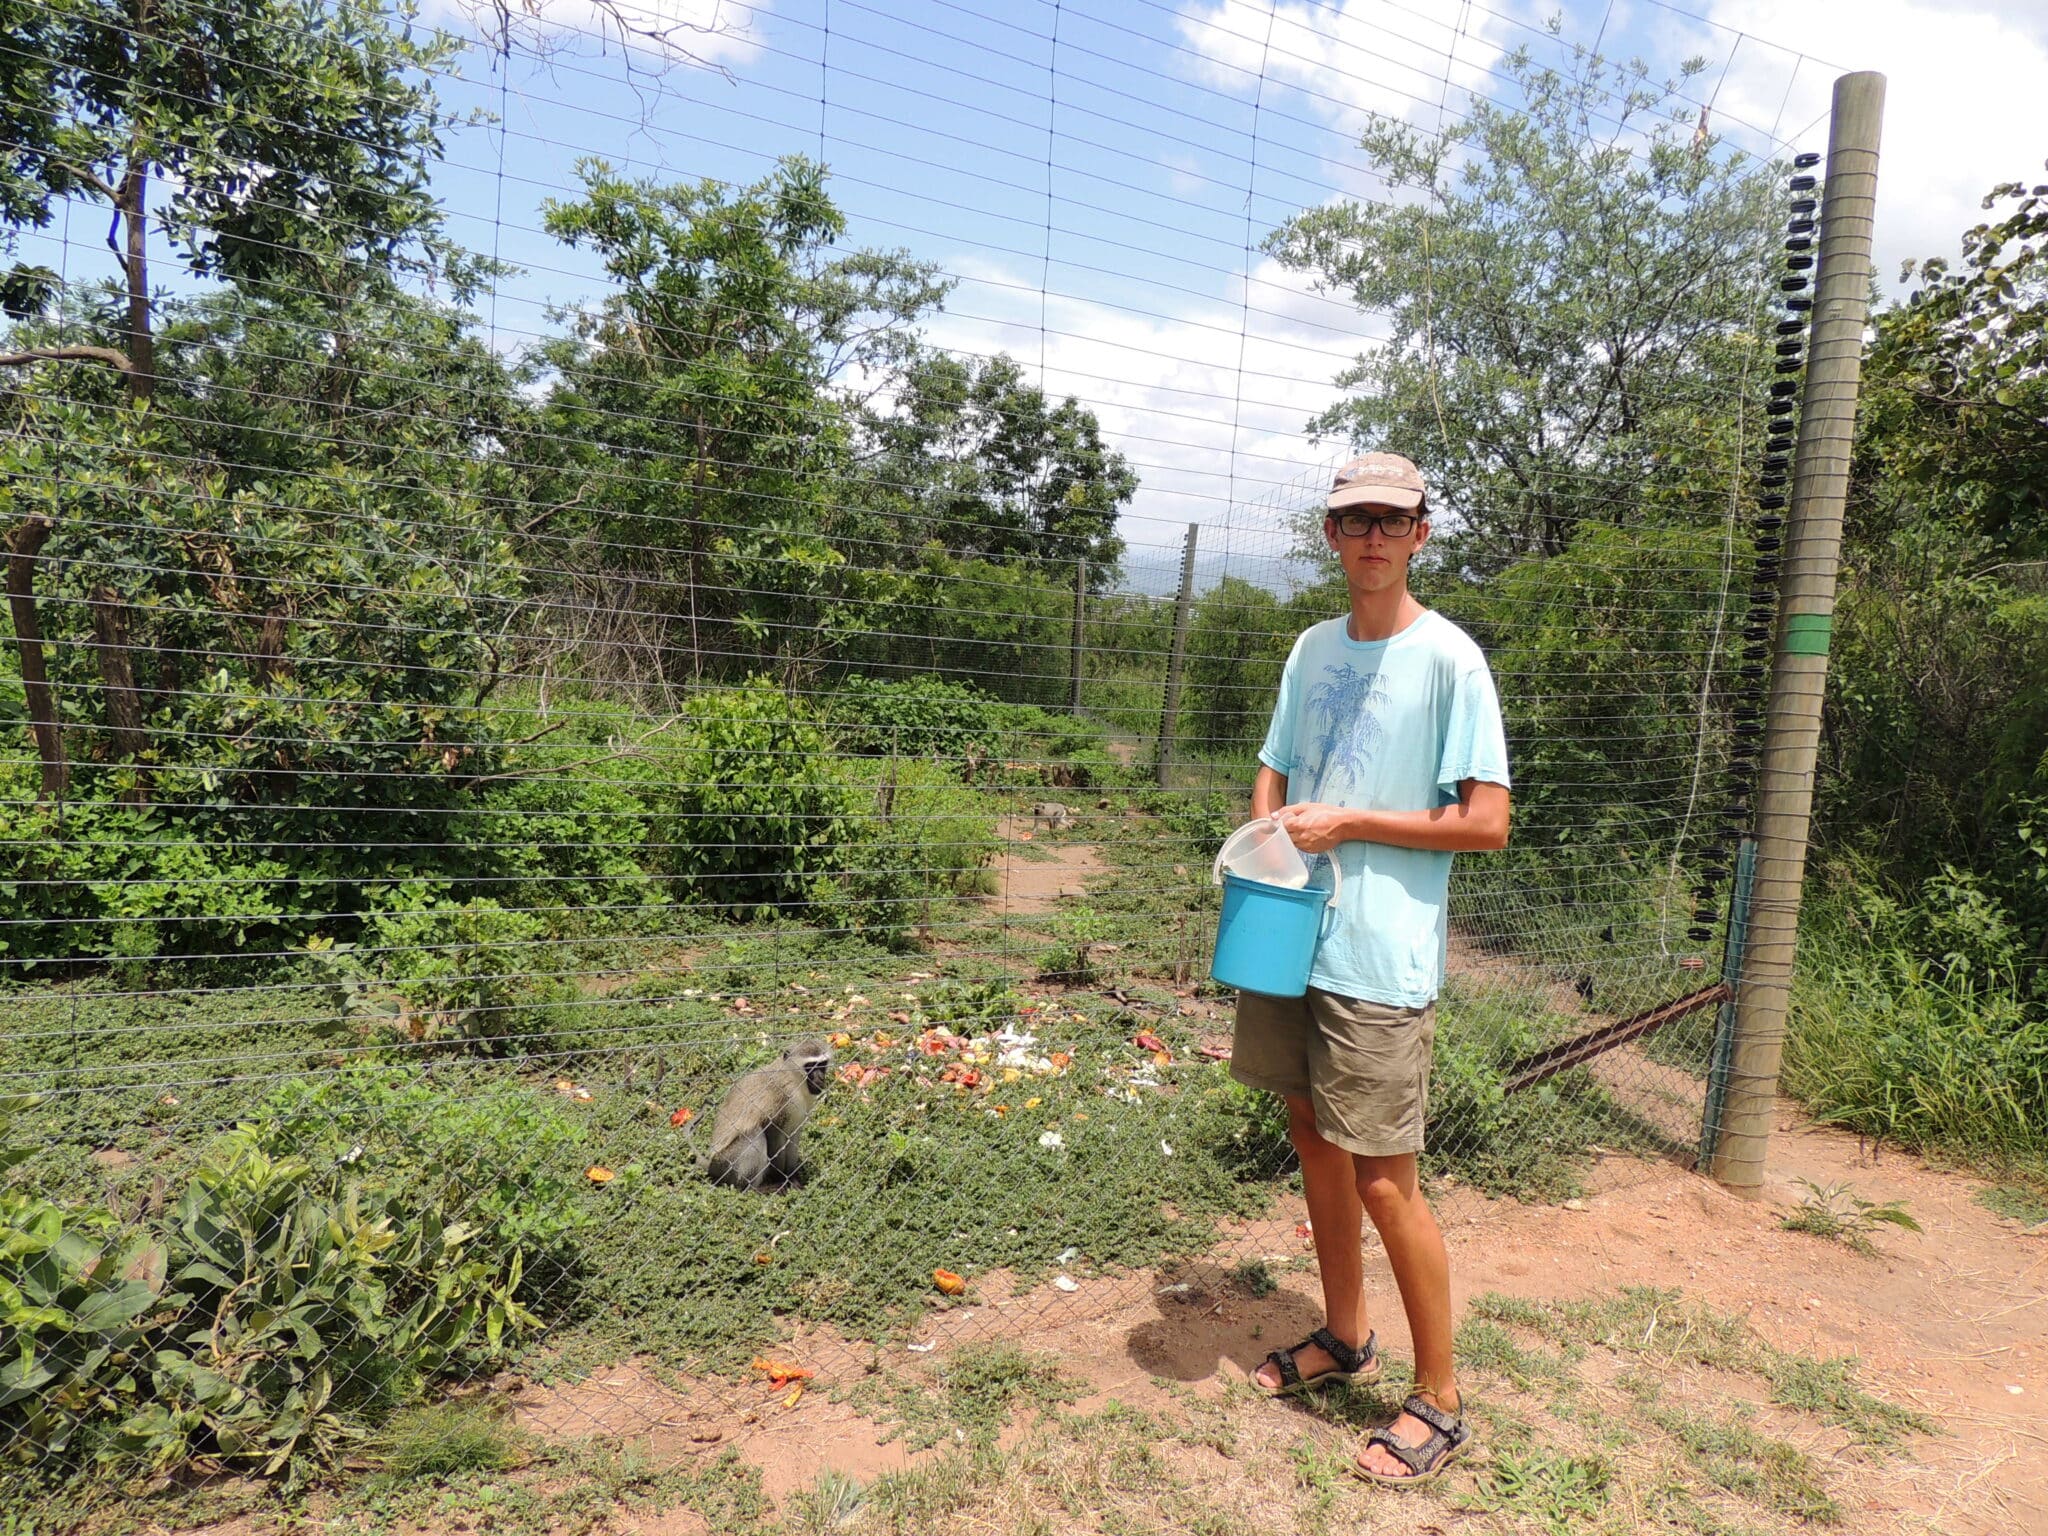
x=1378, y=480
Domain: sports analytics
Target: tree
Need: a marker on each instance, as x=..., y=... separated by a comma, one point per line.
x=289, y=140
x=694, y=415
x=1955, y=393
x=1569, y=305
x=982, y=462
x=1936, y=727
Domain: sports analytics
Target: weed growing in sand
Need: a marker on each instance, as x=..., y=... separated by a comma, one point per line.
x=1558, y=1495
x=468, y=1434
x=972, y=1394
x=1837, y=1212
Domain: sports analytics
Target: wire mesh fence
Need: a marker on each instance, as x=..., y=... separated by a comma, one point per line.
x=454, y=731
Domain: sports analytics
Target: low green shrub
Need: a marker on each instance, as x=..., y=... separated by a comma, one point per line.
x=754, y=810
x=469, y=971
x=1910, y=1021
x=914, y=717
x=300, y=1287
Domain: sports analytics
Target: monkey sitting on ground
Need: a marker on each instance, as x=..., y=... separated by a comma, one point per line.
x=753, y=1140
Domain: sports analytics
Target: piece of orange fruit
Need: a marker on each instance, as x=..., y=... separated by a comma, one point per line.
x=948, y=1282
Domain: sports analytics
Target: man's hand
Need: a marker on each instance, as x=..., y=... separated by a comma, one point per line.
x=1314, y=828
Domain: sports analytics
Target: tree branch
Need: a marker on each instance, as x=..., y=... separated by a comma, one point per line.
x=74, y=353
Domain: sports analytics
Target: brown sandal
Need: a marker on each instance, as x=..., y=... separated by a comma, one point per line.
x=1450, y=1437
x=1361, y=1364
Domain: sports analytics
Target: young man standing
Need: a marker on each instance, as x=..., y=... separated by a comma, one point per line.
x=1386, y=753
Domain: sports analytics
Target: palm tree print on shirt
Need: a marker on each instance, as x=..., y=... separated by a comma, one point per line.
x=1344, y=704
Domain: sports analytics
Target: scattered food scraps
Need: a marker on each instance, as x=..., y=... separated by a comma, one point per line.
x=841, y=1040
x=781, y=1373
x=682, y=1116
x=795, y=1392
x=948, y=1282
x=1216, y=1052
x=597, y=1173
x=1066, y=1283
x=1147, y=1041
x=920, y=1349
x=1051, y=1139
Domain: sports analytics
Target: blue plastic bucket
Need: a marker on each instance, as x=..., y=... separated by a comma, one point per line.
x=1266, y=936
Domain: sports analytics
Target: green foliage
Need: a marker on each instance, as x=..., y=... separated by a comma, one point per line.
x=1837, y=1211
x=1907, y=1023
x=754, y=811
x=490, y=1152
x=469, y=971
x=74, y=1291
x=447, y=1438
x=1010, y=476
x=1526, y=236
x=914, y=717
x=1238, y=640
x=300, y=1287
x=2016, y=1203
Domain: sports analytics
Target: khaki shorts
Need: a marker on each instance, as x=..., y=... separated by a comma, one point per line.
x=1364, y=1065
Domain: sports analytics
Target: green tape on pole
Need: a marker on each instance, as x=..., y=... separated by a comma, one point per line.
x=1806, y=634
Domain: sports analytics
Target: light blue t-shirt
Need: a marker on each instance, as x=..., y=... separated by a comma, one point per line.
x=1386, y=725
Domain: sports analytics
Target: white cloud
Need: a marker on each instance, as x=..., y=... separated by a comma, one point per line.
x=1208, y=399
x=1963, y=100
x=1349, y=59
x=710, y=32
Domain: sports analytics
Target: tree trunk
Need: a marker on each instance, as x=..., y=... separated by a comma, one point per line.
x=133, y=205
x=23, y=545
x=125, y=735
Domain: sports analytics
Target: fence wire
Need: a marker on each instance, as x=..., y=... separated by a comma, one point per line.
x=464, y=708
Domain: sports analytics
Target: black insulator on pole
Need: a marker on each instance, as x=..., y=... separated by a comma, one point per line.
x=1804, y=183
x=1805, y=159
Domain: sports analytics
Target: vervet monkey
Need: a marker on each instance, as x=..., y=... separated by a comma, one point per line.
x=753, y=1140
x=1054, y=816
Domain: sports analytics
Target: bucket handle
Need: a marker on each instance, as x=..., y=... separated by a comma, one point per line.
x=1336, y=876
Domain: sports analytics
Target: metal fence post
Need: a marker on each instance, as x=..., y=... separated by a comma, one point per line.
x=1076, y=648
x=1813, y=544
x=1169, y=716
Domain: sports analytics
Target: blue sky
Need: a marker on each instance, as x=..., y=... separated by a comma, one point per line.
x=1098, y=174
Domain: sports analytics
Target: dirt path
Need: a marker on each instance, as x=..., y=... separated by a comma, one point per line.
x=1034, y=882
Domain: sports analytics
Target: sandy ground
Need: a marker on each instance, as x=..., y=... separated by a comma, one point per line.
x=1949, y=1320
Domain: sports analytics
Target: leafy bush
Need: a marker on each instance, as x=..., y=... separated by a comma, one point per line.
x=306, y=1301
x=464, y=970
x=755, y=810
x=914, y=717
x=488, y=1152
x=1909, y=1021
x=573, y=847
x=926, y=843
x=301, y=1287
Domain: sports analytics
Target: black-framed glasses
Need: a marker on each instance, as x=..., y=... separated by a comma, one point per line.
x=1395, y=525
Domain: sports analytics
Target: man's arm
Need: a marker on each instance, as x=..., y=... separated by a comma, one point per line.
x=1269, y=792
x=1477, y=823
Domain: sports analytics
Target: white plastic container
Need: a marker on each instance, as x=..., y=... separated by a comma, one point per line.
x=1261, y=850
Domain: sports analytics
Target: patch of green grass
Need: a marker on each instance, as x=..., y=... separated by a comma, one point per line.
x=1255, y=1277
x=1829, y=1390
x=1664, y=1326
x=1485, y=1345
x=974, y=1393
x=1735, y=1457
x=2015, y=1202
x=1558, y=1495
x=467, y=1434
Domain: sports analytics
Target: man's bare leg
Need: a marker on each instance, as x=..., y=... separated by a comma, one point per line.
x=1330, y=1184
x=1391, y=1194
